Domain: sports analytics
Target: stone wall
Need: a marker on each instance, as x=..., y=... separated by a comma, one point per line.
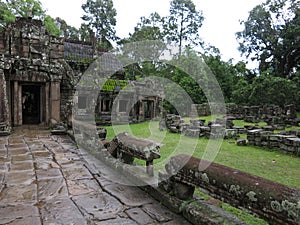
x=288, y=141
x=31, y=56
x=272, y=114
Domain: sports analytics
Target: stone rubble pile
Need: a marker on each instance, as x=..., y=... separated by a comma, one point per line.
x=286, y=141
x=219, y=128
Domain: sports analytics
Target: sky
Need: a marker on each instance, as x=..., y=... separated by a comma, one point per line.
x=222, y=18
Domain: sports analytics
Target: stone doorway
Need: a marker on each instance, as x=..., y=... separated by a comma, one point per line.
x=31, y=104
x=148, y=109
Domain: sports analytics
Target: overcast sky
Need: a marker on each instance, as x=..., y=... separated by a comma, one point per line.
x=220, y=25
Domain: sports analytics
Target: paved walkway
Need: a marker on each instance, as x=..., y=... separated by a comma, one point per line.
x=45, y=180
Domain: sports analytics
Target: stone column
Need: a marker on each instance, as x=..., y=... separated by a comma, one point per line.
x=16, y=103
x=3, y=99
x=55, y=100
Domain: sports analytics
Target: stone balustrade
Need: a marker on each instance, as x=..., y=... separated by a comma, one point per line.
x=276, y=203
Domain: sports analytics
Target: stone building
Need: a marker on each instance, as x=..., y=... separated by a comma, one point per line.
x=38, y=74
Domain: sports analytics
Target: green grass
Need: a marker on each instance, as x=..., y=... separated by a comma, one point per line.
x=271, y=164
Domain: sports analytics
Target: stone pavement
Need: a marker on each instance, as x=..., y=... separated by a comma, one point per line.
x=44, y=179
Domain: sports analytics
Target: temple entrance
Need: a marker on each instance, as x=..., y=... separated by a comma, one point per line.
x=31, y=104
x=148, y=109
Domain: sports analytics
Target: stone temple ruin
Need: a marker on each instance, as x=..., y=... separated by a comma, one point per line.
x=39, y=73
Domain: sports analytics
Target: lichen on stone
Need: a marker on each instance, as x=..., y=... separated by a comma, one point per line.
x=251, y=196
x=290, y=208
x=235, y=189
x=276, y=206
x=205, y=178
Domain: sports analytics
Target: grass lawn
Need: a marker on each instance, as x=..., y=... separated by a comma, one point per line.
x=268, y=163
x=271, y=164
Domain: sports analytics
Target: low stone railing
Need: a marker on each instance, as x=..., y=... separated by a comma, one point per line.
x=126, y=148
x=275, y=203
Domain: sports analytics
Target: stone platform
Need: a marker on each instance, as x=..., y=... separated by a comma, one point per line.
x=44, y=179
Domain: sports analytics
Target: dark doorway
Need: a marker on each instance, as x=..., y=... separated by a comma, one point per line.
x=31, y=104
x=148, y=108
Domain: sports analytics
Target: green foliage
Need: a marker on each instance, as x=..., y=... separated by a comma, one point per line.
x=100, y=15
x=26, y=9
x=67, y=31
x=271, y=36
x=183, y=24
x=51, y=26
x=112, y=85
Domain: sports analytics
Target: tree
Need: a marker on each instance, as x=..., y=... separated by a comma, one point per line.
x=27, y=9
x=51, y=26
x=100, y=15
x=183, y=24
x=271, y=36
x=67, y=31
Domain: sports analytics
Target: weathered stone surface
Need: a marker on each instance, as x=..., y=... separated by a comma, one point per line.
x=48, y=174
x=69, y=193
x=42, y=154
x=61, y=211
x=20, y=158
x=158, y=212
x=18, y=214
x=21, y=166
x=129, y=195
x=279, y=202
x=183, y=191
x=73, y=173
x=200, y=212
x=241, y=142
x=83, y=187
x=52, y=188
x=18, y=150
x=139, y=216
x=13, y=195
x=118, y=221
x=99, y=205
x=20, y=178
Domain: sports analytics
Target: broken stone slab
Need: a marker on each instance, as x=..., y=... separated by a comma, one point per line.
x=129, y=195
x=118, y=221
x=159, y=212
x=98, y=206
x=201, y=212
x=83, y=187
x=19, y=214
x=61, y=211
x=52, y=188
x=18, y=194
x=138, y=215
x=75, y=173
